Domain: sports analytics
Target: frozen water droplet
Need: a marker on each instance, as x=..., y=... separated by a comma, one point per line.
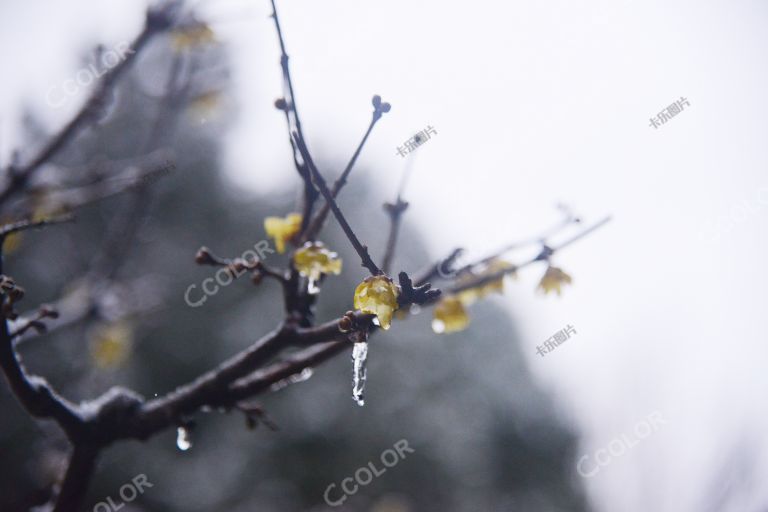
x=312, y=287
x=359, y=371
x=438, y=326
x=303, y=375
x=415, y=309
x=183, y=439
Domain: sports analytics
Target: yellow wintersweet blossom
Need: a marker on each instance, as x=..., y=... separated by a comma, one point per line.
x=282, y=230
x=191, y=36
x=449, y=315
x=553, y=280
x=314, y=260
x=497, y=285
x=111, y=344
x=377, y=295
x=205, y=104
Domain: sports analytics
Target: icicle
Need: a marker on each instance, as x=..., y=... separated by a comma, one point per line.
x=359, y=370
x=303, y=375
x=183, y=439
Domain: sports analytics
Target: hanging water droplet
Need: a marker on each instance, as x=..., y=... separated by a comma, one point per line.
x=303, y=375
x=183, y=439
x=312, y=287
x=359, y=370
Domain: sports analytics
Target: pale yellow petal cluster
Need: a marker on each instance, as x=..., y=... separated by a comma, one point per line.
x=314, y=259
x=110, y=344
x=191, y=36
x=496, y=286
x=377, y=295
x=282, y=230
x=553, y=280
x=450, y=315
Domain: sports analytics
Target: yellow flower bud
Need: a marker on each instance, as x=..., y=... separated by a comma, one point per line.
x=191, y=36
x=377, y=295
x=313, y=260
x=111, y=344
x=553, y=280
x=449, y=316
x=497, y=285
x=282, y=230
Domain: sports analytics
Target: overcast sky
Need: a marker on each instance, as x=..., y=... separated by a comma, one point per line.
x=534, y=102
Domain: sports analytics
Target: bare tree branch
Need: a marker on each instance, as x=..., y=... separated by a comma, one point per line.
x=362, y=250
x=157, y=21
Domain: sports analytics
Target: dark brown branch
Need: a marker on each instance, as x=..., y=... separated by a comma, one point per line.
x=395, y=212
x=288, y=106
x=443, y=268
x=314, y=228
x=362, y=250
x=237, y=266
x=410, y=294
x=82, y=464
x=162, y=412
x=307, y=358
x=33, y=392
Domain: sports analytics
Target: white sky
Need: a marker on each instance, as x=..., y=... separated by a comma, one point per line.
x=534, y=102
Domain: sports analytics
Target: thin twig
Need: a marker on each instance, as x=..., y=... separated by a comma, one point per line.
x=317, y=222
x=567, y=221
x=361, y=249
x=310, y=194
x=82, y=464
x=157, y=21
x=581, y=234
x=24, y=225
x=544, y=255
x=395, y=211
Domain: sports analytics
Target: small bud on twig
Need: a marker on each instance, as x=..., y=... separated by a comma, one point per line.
x=204, y=257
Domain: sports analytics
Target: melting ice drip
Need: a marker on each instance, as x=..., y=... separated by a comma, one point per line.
x=312, y=287
x=359, y=370
x=303, y=375
x=183, y=439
